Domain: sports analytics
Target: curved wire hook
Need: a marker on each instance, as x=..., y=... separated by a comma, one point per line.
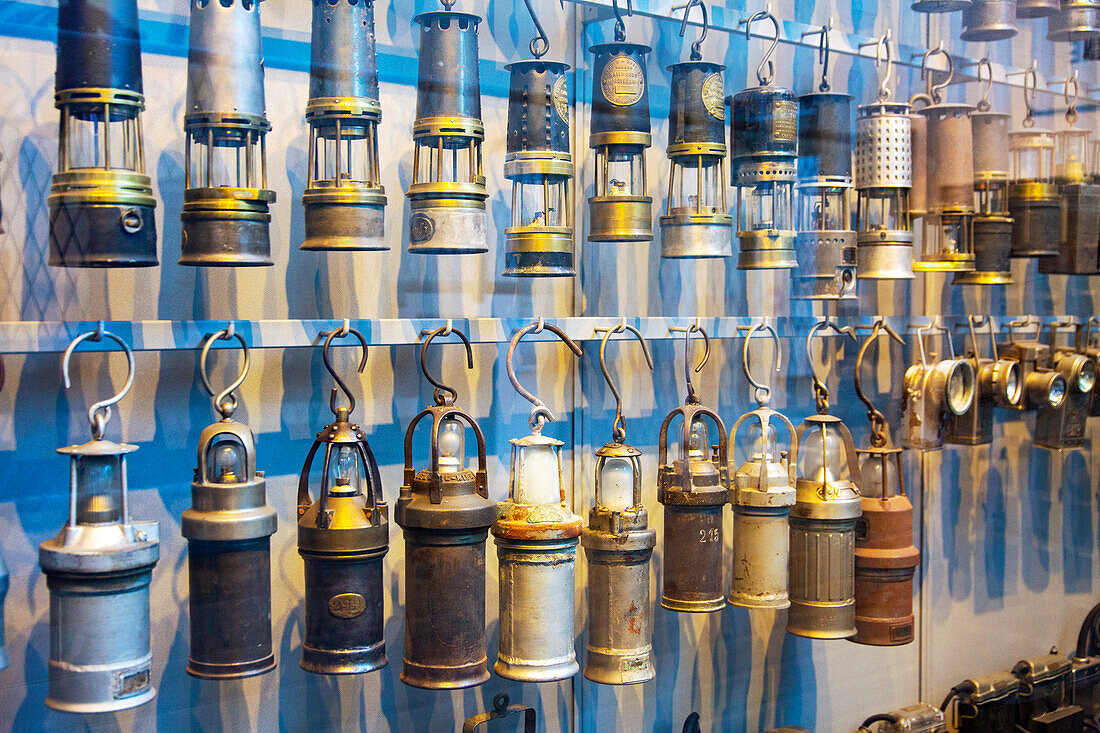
x=1030, y=75
x=879, y=430
x=224, y=402
x=762, y=392
x=540, y=44
x=934, y=90
x=692, y=398
x=696, y=54
x=100, y=412
x=618, y=432
x=822, y=52
x=821, y=392
x=983, y=103
x=541, y=414
x=765, y=14
x=341, y=333
x=441, y=389
x=620, y=26
x=1071, y=100
x=882, y=47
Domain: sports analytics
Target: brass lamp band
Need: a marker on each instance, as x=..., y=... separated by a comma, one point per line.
x=620, y=137
x=86, y=95
x=457, y=127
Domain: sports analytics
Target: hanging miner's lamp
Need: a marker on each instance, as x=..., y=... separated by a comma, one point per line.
x=539, y=243
x=947, y=224
x=763, y=164
x=536, y=536
x=98, y=570
x=825, y=243
x=1033, y=199
x=618, y=545
x=693, y=486
x=761, y=498
x=344, y=201
x=696, y=223
x=1064, y=425
x=1076, y=20
x=933, y=392
x=228, y=530
x=1080, y=196
x=883, y=163
x=343, y=535
x=823, y=523
x=1028, y=9
x=101, y=199
x=1043, y=387
x=226, y=199
x=620, y=209
x=445, y=513
x=992, y=221
x=447, y=196
x=1085, y=345
x=997, y=383
x=886, y=557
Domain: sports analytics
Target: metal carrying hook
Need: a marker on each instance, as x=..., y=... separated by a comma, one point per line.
x=620, y=26
x=540, y=44
x=934, y=325
x=224, y=402
x=1030, y=75
x=618, y=432
x=983, y=103
x=981, y=320
x=882, y=48
x=879, y=430
x=765, y=14
x=692, y=398
x=1012, y=325
x=1071, y=100
x=100, y=412
x=822, y=52
x=935, y=89
x=762, y=392
x=541, y=414
x=342, y=332
x=821, y=392
x=441, y=389
x=696, y=54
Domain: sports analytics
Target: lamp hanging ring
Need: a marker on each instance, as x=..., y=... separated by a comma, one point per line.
x=100, y=412
x=329, y=336
x=765, y=79
x=541, y=414
x=983, y=103
x=696, y=53
x=442, y=390
x=618, y=432
x=224, y=402
x=620, y=26
x=762, y=392
x=821, y=392
x=540, y=44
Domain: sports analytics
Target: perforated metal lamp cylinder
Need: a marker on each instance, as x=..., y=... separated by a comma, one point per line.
x=539, y=243
x=536, y=537
x=445, y=513
x=228, y=530
x=883, y=162
x=225, y=200
x=695, y=223
x=98, y=570
x=992, y=222
x=763, y=167
x=101, y=200
x=1033, y=199
x=447, y=196
x=694, y=488
x=825, y=243
x=948, y=236
x=1079, y=232
x=343, y=535
x=344, y=201
x=989, y=20
x=823, y=531
x=620, y=209
x=1076, y=20
x=618, y=545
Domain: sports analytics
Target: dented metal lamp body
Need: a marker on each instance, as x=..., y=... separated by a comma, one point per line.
x=447, y=196
x=226, y=200
x=696, y=223
x=823, y=531
x=932, y=392
x=536, y=537
x=1076, y=20
x=883, y=160
x=694, y=488
x=987, y=704
x=228, y=530
x=618, y=546
x=1064, y=425
x=761, y=497
x=101, y=200
x=763, y=167
x=1079, y=232
x=1043, y=387
x=98, y=571
x=344, y=201
x=825, y=243
x=997, y=383
x=1033, y=197
x=947, y=225
x=343, y=536
x=539, y=243
x=445, y=513
x=992, y=221
x=1044, y=687
x=989, y=20
x=620, y=209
